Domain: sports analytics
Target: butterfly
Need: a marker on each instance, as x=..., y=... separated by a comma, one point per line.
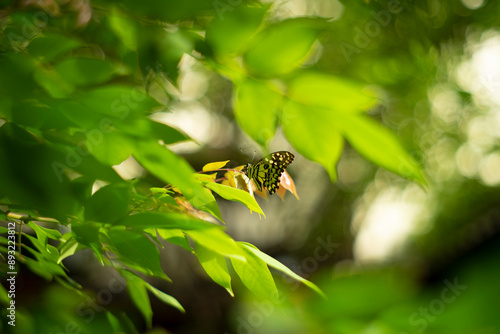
x=266, y=173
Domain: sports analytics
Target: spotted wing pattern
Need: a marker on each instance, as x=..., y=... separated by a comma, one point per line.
x=267, y=172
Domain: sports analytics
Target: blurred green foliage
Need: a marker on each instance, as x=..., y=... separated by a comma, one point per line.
x=82, y=85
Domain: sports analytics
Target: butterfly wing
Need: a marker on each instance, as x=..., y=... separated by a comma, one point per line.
x=267, y=172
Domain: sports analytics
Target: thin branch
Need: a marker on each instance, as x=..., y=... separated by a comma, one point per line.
x=220, y=170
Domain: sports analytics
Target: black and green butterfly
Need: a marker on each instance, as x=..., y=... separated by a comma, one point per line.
x=266, y=173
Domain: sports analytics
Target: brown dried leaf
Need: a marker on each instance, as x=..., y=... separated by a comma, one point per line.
x=286, y=183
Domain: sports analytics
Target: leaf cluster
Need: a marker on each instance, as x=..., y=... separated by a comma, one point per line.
x=72, y=109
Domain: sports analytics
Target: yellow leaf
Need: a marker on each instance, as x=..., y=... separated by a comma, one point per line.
x=206, y=177
x=214, y=165
x=229, y=181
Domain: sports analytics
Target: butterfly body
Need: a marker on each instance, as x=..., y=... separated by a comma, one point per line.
x=266, y=173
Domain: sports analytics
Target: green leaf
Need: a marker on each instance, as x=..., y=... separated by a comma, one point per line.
x=47, y=253
x=167, y=299
x=168, y=134
x=53, y=83
x=176, y=237
x=165, y=221
x=237, y=195
x=124, y=28
x=46, y=190
x=110, y=148
x=42, y=188
x=4, y=298
x=255, y=107
x=52, y=45
x=281, y=267
x=156, y=190
x=378, y=144
x=127, y=324
x=137, y=290
x=73, y=157
x=331, y=92
x=167, y=199
x=40, y=234
x=170, y=168
x=134, y=248
x=256, y=276
x=114, y=322
x=80, y=115
x=50, y=233
x=312, y=133
x=230, y=32
x=16, y=79
x=39, y=243
x=3, y=241
x=204, y=200
x=216, y=267
x=321, y=107
x=161, y=50
x=109, y=204
x=52, y=253
x=166, y=165
x=46, y=258
x=39, y=268
x=282, y=47
x=85, y=71
x=69, y=283
x=87, y=234
x=82, y=188
x=217, y=241
x=118, y=101
x=214, y=165
x=67, y=248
